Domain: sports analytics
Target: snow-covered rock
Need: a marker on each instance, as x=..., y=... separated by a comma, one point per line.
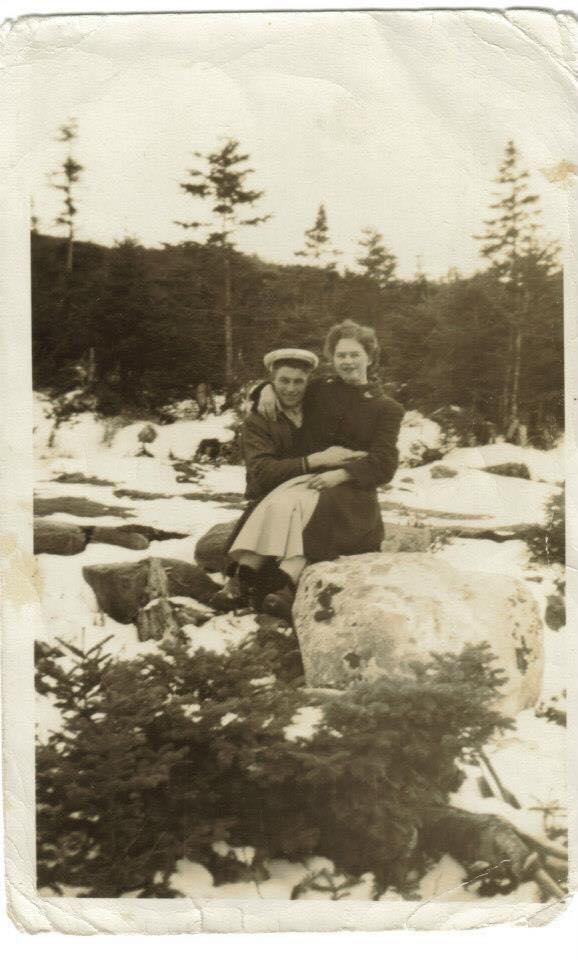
x=472, y=498
x=545, y=465
x=78, y=437
x=178, y=440
x=417, y=434
x=358, y=618
x=85, y=436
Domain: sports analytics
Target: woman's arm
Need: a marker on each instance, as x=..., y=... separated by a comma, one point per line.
x=383, y=457
x=328, y=479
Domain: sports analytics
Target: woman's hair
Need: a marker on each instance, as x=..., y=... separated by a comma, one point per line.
x=350, y=330
x=290, y=362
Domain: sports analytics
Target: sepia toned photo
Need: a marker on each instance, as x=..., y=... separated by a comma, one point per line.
x=297, y=287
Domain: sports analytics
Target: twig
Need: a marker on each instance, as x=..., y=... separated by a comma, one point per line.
x=506, y=794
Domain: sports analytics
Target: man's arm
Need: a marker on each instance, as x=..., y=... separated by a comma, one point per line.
x=382, y=460
x=265, y=468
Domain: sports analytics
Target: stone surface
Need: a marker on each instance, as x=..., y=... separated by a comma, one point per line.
x=119, y=538
x=441, y=472
x=402, y=538
x=78, y=506
x=53, y=536
x=122, y=589
x=210, y=549
x=148, y=434
x=555, y=614
x=360, y=617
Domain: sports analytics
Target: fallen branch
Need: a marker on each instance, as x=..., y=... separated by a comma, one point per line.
x=544, y=846
x=547, y=884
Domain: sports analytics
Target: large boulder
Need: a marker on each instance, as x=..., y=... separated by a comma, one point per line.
x=359, y=617
x=210, y=549
x=54, y=536
x=119, y=537
x=122, y=589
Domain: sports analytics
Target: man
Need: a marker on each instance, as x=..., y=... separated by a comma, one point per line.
x=276, y=453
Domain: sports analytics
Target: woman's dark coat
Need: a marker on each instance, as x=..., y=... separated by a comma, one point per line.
x=347, y=518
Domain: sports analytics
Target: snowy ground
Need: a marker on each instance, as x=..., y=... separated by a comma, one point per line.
x=531, y=759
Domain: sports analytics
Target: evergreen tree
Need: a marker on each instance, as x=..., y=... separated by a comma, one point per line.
x=125, y=333
x=522, y=262
x=464, y=347
x=223, y=184
x=378, y=263
x=160, y=757
x=65, y=180
x=317, y=247
x=34, y=221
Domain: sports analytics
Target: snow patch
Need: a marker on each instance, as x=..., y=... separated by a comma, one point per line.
x=417, y=434
x=304, y=723
x=228, y=718
x=221, y=634
x=242, y=854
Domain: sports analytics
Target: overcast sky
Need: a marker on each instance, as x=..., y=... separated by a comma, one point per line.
x=396, y=121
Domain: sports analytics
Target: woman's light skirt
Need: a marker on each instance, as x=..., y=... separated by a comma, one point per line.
x=275, y=527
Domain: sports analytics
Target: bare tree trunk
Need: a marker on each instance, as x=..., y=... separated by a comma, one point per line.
x=518, y=343
x=228, y=320
x=504, y=400
x=70, y=254
x=516, y=368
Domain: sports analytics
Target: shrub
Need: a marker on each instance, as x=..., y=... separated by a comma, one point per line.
x=510, y=470
x=161, y=757
x=547, y=543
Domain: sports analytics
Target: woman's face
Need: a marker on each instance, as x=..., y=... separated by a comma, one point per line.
x=351, y=361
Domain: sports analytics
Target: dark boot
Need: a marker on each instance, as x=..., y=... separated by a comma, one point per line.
x=280, y=603
x=238, y=591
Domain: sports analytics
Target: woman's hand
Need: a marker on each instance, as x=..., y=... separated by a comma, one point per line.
x=334, y=457
x=268, y=405
x=331, y=478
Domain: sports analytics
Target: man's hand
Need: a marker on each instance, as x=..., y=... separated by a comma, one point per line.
x=334, y=457
x=268, y=405
x=331, y=478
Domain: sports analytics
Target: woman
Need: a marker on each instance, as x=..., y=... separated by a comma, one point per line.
x=332, y=511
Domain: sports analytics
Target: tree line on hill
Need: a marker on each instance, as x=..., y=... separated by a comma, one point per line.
x=141, y=327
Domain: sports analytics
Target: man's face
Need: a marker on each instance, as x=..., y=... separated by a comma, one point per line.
x=289, y=384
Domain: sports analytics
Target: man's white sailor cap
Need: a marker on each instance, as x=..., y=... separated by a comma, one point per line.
x=290, y=353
